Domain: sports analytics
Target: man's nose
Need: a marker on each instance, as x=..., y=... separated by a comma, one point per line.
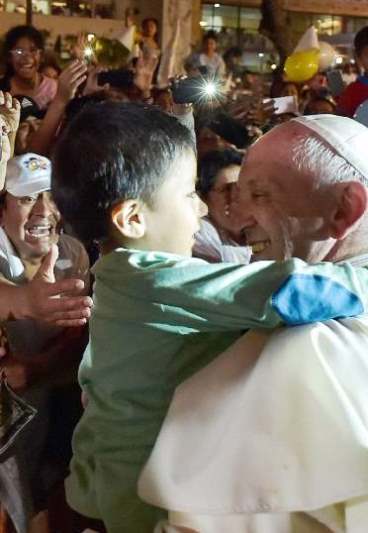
x=43, y=207
x=241, y=208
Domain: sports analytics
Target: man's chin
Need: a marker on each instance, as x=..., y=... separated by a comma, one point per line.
x=39, y=249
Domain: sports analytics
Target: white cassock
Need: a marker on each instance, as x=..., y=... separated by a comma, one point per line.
x=271, y=437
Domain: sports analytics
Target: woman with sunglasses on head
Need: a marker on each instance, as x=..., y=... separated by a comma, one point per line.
x=23, y=50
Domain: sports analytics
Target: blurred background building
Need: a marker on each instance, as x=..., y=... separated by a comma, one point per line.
x=236, y=21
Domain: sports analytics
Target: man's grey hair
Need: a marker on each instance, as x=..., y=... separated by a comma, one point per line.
x=312, y=156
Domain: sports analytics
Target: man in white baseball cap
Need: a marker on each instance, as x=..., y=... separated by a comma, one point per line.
x=30, y=219
x=39, y=353
x=273, y=435
x=38, y=300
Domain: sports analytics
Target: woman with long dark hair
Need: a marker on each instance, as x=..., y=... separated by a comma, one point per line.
x=23, y=51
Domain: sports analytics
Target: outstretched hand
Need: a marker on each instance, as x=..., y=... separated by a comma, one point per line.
x=55, y=302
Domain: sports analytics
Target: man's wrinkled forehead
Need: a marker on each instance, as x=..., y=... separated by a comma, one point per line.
x=271, y=148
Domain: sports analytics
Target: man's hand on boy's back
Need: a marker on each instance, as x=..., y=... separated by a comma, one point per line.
x=43, y=298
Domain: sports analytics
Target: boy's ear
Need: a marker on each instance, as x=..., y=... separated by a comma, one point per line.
x=128, y=219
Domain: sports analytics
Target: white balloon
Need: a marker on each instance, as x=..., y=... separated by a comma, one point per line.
x=327, y=55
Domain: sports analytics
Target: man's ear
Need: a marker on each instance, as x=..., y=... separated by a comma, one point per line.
x=128, y=219
x=352, y=205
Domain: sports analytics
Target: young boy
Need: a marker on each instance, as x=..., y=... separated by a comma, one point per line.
x=357, y=92
x=125, y=175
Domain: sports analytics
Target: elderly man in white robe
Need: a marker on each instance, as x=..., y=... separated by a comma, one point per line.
x=272, y=437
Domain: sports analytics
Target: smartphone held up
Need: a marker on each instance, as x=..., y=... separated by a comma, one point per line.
x=200, y=90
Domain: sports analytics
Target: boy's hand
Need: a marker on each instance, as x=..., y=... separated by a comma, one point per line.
x=53, y=302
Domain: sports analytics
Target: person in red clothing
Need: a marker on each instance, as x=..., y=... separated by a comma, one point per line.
x=357, y=92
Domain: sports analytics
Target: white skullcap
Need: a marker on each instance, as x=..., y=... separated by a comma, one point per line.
x=27, y=175
x=347, y=137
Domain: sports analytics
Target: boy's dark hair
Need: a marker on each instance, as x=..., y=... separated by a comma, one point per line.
x=211, y=164
x=113, y=151
x=76, y=104
x=361, y=40
x=13, y=36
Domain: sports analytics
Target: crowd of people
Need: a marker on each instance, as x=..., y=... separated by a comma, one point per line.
x=163, y=240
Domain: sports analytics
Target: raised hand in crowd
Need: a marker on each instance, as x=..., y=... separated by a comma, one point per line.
x=78, y=51
x=256, y=112
x=70, y=80
x=44, y=299
x=9, y=122
x=92, y=85
x=10, y=111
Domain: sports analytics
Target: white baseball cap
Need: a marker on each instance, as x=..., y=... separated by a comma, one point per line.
x=27, y=175
x=347, y=137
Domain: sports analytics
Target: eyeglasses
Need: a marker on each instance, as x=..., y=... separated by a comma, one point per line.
x=22, y=52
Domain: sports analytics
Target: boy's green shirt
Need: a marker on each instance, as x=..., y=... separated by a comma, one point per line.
x=158, y=318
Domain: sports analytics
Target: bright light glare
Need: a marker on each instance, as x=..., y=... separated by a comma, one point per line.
x=261, y=54
x=90, y=37
x=88, y=52
x=217, y=5
x=210, y=91
x=210, y=88
x=273, y=66
x=203, y=23
x=339, y=60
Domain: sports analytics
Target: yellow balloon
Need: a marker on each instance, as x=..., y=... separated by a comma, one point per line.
x=302, y=66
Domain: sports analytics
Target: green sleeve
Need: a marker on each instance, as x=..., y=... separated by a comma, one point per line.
x=197, y=296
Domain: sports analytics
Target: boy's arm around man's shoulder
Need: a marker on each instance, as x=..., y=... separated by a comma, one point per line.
x=211, y=297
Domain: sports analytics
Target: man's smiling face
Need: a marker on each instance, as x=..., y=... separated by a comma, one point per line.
x=31, y=223
x=284, y=212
